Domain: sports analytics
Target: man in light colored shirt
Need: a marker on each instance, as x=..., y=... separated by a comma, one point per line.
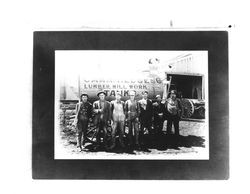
x=118, y=117
x=173, y=112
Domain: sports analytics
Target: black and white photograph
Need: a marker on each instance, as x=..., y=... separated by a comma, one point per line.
x=131, y=104
x=127, y=100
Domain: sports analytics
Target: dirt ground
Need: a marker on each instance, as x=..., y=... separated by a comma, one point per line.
x=191, y=144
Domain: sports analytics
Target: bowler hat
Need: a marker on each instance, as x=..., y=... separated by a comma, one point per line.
x=118, y=93
x=101, y=92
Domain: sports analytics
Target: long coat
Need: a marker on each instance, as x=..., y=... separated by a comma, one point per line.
x=104, y=113
x=158, y=108
x=145, y=114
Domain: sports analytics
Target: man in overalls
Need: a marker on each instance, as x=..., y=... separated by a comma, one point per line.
x=118, y=117
x=84, y=110
x=101, y=109
x=132, y=113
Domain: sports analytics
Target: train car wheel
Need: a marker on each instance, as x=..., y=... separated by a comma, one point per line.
x=187, y=108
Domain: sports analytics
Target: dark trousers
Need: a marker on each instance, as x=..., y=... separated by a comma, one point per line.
x=133, y=124
x=82, y=127
x=101, y=125
x=145, y=123
x=158, y=125
x=173, y=119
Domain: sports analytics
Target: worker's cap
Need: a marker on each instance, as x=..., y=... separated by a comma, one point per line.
x=101, y=92
x=132, y=93
x=145, y=92
x=173, y=92
x=84, y=94
x=158, y=96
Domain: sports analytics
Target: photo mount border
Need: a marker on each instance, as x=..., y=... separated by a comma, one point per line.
x=44, y=166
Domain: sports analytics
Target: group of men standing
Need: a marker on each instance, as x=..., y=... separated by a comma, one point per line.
x=140, y=116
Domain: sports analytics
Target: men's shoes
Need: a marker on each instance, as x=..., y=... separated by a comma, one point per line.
x=80, y=147
x=96, y=148
x=138, y=147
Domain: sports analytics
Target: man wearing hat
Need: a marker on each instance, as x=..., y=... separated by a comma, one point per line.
x=132, y=113
x=118, y=117
x=158, y=109
x=173, y=112
x=84, y=113
x=145, y=115
x=101, y=109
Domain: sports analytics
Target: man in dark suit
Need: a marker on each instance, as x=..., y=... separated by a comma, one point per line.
x=158, y=108
x=84, y=113
x=101, y=109
x=132, y=113
x=145, y=115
